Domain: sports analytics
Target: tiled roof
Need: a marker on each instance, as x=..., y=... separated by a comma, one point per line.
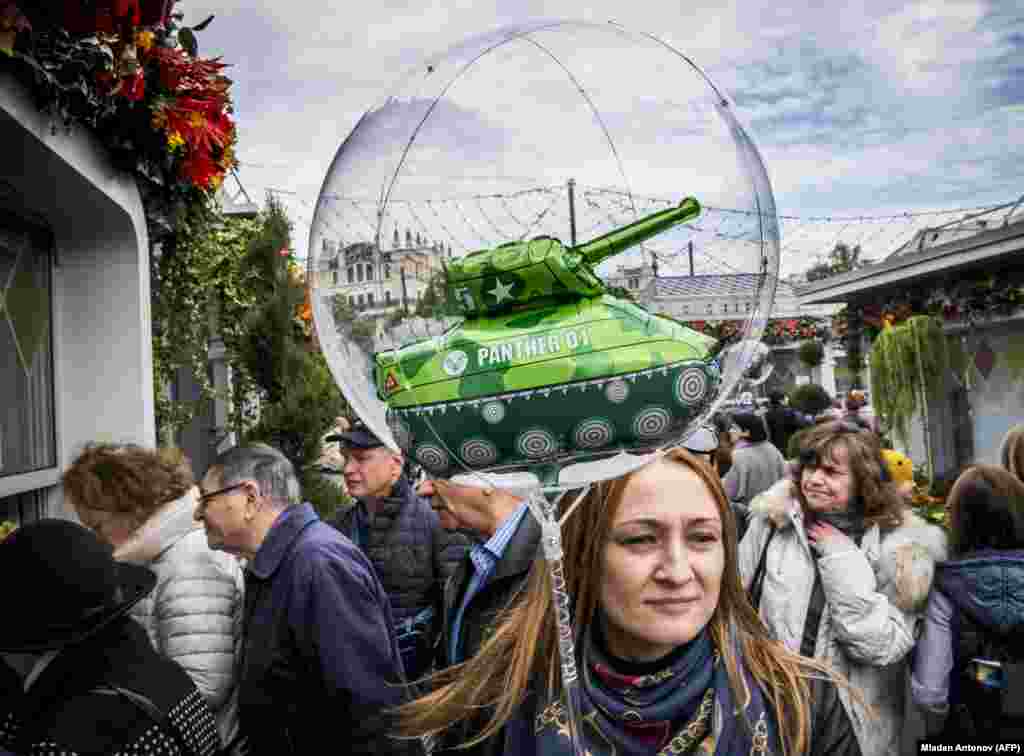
x=733, y=284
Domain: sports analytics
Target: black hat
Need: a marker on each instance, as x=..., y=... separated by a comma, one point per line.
x=66, y=585
x=359, y=437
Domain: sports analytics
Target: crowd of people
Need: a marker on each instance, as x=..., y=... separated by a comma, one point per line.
x=764, y=589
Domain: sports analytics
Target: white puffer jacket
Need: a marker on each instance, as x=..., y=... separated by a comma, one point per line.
x=194, y=614
x=874, y=598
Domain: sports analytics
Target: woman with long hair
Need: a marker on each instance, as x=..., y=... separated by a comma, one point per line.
x=840, y=570
x=670, y=653
x=966, y=669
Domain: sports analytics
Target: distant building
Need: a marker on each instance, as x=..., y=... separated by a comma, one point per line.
x=734, y=296
x=377, y=281
x=970, y=273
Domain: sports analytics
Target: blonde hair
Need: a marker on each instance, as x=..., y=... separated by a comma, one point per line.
x=485, y=691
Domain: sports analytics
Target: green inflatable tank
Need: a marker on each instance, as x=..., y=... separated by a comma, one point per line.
x=547, y=365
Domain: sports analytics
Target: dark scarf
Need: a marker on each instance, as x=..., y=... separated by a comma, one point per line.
x=850, y=520
x=667, y=706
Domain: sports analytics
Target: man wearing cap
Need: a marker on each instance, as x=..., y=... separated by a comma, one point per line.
x=90, y=680
x=493, y=508
x=403, y=538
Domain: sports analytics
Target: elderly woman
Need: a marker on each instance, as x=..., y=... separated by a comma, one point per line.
x=672, y=658
x=841, y=570
x=141, y=502
x=91, y=680
x=967, y=666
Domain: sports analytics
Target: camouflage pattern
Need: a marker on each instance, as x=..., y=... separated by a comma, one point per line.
x=542, y=271
x=555, y=370
x=516, y=429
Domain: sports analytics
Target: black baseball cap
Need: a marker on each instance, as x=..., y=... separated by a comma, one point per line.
x=358, y=437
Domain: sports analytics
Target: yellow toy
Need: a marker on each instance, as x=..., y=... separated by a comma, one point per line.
x=901, y=470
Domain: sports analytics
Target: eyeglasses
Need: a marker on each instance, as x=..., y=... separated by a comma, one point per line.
x=208, y=497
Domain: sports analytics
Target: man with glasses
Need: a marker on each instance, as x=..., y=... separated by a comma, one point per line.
x=403, y=538
x=319, y=655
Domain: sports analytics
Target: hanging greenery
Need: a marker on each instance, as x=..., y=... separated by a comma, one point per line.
x=907, y=362
x=811, y=353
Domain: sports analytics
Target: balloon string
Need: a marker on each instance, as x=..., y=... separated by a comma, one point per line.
x=551, y=541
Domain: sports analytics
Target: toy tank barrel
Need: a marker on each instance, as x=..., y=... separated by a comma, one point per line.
x=614, y=242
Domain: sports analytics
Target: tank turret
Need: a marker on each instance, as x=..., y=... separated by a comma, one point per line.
x=543, y=270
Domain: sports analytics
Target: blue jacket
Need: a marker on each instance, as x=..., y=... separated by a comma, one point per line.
x=977, y=605
x=320, y=660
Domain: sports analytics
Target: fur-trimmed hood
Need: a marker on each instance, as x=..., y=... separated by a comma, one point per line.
x=164, y=528
x=904, y=558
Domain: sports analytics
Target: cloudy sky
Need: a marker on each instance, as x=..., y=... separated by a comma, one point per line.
x=860, y=110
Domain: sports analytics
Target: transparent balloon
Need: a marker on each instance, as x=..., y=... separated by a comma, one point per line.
x=552, y=248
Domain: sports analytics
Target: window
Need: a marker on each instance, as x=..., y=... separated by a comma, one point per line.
x=350, y=274
x=725, y=308
x=334, y=277
x=387, y=272
x=369, y=272
x=359, y=273
x=362, y=299
x=369, y=299
x=710, y=308
x=27, y=426
x=387, y=297
x=748, y=306
x=686, y=309
x=634, y=283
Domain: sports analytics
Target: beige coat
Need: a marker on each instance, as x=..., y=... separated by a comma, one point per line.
x=875, y=596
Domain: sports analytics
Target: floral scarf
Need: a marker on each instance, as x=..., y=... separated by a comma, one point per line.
x=665, y=707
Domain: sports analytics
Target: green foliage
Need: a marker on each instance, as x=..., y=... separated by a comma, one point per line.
x=197, y=280
x=842, y=259
x=810, y=398
x=908, y=362
x=326, y=497
x=300, y=400
x=811, y=353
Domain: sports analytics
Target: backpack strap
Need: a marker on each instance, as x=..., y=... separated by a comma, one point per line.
x=757, y=582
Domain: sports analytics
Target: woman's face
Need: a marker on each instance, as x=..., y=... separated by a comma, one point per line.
x=829, y=486
x=663, y=562
x=113, y=527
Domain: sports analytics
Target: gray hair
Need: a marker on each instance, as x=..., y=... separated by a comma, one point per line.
x=273, y=471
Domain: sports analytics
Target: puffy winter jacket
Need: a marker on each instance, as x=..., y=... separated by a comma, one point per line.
x=412, y=554
x=194, y=614
x=874, y=598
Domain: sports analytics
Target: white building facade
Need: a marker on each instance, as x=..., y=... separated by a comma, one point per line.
x=75, y=342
